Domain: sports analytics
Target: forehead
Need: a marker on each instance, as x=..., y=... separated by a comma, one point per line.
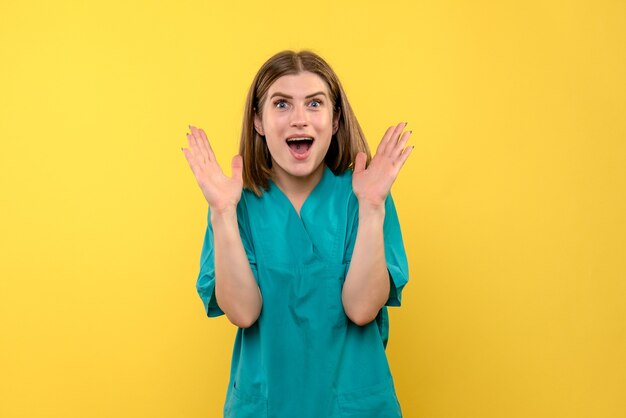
x=301, y=84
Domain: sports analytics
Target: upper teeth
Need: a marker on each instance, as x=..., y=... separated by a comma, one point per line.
x=299, y=139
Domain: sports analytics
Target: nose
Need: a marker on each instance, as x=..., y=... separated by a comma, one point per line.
x=298, y=117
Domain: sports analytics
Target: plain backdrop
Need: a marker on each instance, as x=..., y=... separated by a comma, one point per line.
x=512, y=203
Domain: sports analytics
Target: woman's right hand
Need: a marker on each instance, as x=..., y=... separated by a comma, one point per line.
x=221, y=192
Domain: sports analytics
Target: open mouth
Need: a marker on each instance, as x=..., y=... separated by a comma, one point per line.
x=300, y=146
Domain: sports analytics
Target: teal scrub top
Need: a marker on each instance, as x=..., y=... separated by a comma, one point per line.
x=303, y=357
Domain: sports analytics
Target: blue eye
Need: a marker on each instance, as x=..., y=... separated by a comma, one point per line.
x=278, y=104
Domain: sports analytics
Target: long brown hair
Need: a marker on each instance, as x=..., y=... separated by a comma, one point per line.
x=345, y=143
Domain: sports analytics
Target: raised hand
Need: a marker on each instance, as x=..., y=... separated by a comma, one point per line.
x=372, y=184
x=221, y=192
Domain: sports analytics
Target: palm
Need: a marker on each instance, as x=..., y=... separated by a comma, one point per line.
x=372, y=185
x=219, y=190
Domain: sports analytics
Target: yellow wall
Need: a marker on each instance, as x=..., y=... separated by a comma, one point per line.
x=513, y=202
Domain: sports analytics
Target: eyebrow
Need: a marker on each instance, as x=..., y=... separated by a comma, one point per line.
x=290, y=97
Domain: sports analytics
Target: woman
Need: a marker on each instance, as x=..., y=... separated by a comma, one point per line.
x=303, y=249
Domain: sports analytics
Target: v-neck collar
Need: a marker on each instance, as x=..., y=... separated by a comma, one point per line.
x=326, y=174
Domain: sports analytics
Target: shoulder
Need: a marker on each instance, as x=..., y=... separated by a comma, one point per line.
x=345, y=177
x=247, y=202
x=342, y=190
x=342, y=182
x=251, y=206
x=247, y=195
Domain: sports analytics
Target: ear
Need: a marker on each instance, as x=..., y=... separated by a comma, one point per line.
x=258, y=125
x=336, y=116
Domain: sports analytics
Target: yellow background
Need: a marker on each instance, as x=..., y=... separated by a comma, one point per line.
x=512, y=203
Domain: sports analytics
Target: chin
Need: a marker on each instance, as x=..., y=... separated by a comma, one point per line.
x=302, y=169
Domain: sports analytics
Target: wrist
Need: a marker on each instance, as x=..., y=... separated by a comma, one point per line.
x=371, y=212
x=221, y=215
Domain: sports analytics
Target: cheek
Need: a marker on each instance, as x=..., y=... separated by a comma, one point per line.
x=326, y=121
x=273, y=140
x=325, y=124
x=276, y=124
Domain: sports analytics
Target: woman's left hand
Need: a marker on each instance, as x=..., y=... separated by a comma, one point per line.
x=371, y=185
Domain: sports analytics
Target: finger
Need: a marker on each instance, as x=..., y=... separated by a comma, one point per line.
x=393, y=139
x=196, y=152
x=193, y=145
x=237, y=168
x=187, y=155
x=403, y=157
x=207, y=145
x=191, y=161
x=384, y=140
x=198, y=141
x=359, y=162
x=397, y=149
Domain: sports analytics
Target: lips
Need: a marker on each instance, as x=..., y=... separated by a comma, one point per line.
x=300, y=146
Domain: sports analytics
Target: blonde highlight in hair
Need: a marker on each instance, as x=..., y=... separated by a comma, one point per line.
x=345, y=143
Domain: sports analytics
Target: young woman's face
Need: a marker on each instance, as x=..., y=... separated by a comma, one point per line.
x=297, y=122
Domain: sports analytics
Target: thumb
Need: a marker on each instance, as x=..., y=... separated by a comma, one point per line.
x=359, y=162
x=237, y=167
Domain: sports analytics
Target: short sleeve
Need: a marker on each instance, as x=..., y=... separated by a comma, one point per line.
x=395, y=254
x=205, y=284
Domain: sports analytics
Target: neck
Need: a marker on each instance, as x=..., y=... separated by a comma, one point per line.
x=297, y=188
